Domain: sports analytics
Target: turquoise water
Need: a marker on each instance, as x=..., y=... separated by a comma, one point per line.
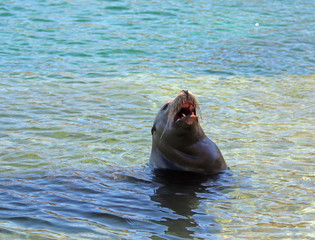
x=81, y=82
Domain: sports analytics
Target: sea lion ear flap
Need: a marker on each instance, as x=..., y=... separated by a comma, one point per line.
x=153, y=129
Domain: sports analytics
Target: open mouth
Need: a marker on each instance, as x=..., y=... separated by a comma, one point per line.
x=186, y=111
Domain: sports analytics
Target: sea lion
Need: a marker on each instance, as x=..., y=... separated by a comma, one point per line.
x=178, y=141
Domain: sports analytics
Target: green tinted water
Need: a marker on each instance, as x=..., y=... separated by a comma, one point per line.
x=81, y=83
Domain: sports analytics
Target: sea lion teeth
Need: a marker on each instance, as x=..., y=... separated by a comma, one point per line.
x=178, y=141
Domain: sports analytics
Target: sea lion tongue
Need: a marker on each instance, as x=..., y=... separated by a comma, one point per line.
x=186, y=113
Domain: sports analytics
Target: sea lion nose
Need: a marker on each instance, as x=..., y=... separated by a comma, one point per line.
x=186, y=93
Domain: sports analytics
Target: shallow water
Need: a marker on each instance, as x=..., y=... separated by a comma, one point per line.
x=81, y=82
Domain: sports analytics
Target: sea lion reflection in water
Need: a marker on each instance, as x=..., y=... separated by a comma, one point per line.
x=178, y=141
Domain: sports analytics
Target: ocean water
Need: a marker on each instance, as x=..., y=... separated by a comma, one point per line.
x=81, y=83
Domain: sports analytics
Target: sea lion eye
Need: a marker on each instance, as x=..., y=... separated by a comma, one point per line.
x=165, y=106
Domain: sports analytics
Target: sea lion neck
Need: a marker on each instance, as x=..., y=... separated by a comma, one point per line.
x=188, y=135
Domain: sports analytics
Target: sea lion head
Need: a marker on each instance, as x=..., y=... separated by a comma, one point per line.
x=177, y=119
x=178, y=141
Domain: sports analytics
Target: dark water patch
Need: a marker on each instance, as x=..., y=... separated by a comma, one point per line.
x=60, y=76
x=42, y=20
x=6, y=14
x=76, y=54
x=92, y=202
x=158, y=13
x=117, y=8
x=218, y=73
x=108, y=52
x=83, y=20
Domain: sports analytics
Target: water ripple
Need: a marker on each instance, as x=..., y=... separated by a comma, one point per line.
x=81, y=84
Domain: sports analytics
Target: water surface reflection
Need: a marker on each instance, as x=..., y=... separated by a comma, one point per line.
x=89, y=204
x=181, y=194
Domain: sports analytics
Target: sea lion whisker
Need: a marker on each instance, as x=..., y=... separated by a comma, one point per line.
x=168, y=119
x=164, y=128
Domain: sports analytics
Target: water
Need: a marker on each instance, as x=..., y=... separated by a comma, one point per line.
x=81, y=82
